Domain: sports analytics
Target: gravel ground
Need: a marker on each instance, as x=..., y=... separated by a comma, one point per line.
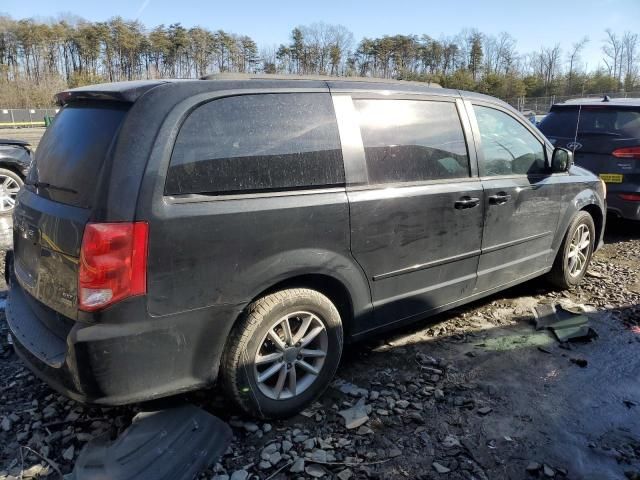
x=474, y=393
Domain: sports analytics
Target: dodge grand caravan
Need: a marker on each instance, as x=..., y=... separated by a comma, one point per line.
x=172, y=234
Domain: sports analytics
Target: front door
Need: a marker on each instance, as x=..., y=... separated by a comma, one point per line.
x=416, y=222
x=522, y=200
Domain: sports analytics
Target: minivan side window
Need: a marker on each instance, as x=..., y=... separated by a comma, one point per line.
x=257, y=143
x=412, y=140
x=508, y=147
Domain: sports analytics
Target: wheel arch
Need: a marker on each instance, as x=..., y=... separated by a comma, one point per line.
x=586, y=200
x=598, y=219
x=11, y=166
x=327, y=285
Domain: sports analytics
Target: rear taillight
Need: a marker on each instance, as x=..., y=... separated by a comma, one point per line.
x=630, y=197
x=113, y=263
x=627, y=152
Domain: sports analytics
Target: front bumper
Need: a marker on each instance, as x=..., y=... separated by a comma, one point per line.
x=132, y=360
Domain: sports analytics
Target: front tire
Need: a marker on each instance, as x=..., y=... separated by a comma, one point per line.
x=575, y=253
x=283, y=353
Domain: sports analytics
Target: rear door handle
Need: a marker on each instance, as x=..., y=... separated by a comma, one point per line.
x=499, y=198
x=467, y=202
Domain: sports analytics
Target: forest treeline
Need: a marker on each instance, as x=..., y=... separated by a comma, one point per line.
x=38, y=58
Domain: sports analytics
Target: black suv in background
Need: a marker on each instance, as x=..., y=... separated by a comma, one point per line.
x=174, y=233
x=604, y=135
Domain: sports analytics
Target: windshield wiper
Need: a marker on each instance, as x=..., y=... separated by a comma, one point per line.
x=48, y=186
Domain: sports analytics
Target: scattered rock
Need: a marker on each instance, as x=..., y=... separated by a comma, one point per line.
x=355, y=416
x=485, y=410
x=6, y=424
x=533, y=467
x=251, y=427
x=441, y=469
x=345, y=474
x=298, y=466
x=394, y=452
x=450, y=441
x=239, y=475
x=68, y=453
x=315, y=471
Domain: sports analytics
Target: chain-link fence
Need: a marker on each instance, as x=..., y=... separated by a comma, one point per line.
x=25, y=117
x=540, y=105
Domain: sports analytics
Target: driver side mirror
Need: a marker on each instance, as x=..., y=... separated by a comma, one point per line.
x=561, y=160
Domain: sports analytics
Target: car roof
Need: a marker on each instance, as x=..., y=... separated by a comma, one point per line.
x=132, y=90
x=602, y=101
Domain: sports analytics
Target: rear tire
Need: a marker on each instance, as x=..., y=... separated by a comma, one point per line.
x=282, y=353
x=575, y=253
x=10, y=184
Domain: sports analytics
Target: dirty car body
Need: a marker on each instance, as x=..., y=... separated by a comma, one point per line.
x=342, y=209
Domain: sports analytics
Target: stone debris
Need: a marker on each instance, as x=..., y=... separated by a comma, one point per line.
x=441, y=469
x=355, y=416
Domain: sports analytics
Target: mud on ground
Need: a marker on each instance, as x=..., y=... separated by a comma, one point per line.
x=474, y=393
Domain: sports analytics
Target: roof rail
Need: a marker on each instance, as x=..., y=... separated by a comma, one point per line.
x=271, y=76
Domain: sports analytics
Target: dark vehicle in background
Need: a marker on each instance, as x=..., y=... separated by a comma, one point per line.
x=15, y=160
x=171, y=234
x=605, y=138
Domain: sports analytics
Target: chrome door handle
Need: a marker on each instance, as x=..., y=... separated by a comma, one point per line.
x=499, y=198
x=467, y=202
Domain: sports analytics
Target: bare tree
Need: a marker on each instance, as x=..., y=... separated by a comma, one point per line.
x=574, y=58
x=613, y=49
x=630, y=60
x=550, y=65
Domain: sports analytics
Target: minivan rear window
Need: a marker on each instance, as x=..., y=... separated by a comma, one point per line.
x=72, y=152
x=594, y=120
x=257, y=143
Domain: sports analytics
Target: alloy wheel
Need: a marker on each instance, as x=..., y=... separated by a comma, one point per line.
x=579, y=250
x=291, y=355
x=9, y=188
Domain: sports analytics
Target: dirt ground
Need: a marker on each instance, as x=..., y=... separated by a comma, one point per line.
x=475, y=393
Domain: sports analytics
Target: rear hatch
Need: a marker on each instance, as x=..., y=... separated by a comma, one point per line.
x=600, y=136
x=61, y=194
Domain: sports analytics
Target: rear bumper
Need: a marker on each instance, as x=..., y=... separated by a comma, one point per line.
x=623, y=208
x=125, y=362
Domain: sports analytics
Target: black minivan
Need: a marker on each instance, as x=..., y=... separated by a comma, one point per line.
x=175, y=233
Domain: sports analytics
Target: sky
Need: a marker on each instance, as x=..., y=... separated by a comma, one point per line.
x=533, y=23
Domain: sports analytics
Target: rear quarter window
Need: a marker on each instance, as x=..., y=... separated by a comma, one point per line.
x=72, y=152
x=257, y=143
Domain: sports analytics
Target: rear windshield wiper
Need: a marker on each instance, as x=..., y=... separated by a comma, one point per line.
x=50, y=187
x=599, y=132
